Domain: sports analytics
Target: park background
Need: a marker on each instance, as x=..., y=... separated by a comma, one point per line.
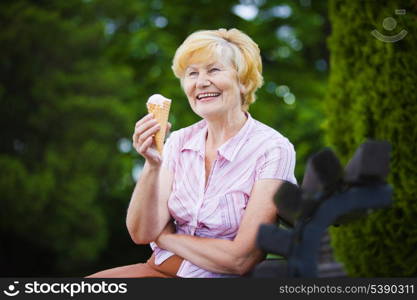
x=75, y=76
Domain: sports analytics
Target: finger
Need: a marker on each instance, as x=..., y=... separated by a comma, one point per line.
x=143, y=122
x=151, y=131
x=143, y=128
x=146, y=144
x=144, y=119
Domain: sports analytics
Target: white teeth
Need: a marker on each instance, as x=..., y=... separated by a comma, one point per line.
x=207, y=95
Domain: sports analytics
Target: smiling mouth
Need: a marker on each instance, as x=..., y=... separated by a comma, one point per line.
x=207, y=96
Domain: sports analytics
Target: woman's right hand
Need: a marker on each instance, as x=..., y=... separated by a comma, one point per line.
x=143, y=140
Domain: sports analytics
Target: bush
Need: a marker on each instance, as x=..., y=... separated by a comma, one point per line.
x=372, y=94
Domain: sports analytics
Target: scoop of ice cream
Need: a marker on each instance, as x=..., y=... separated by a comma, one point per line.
x=157, y=99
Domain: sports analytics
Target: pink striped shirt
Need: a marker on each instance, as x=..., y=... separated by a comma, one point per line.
x=215, y=211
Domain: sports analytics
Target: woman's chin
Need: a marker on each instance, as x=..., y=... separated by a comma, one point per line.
x=208, y=112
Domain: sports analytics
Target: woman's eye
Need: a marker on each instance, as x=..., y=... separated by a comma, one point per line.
x=214, y=70
x=192, y=73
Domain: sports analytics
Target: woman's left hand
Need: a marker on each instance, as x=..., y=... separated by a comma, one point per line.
x=169, y=229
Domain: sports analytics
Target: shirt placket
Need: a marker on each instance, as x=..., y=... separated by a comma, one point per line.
x=202, y=191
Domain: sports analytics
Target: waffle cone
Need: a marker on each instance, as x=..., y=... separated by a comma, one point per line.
x=160, y=113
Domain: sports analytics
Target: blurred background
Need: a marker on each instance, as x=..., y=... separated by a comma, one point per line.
x=75, y=76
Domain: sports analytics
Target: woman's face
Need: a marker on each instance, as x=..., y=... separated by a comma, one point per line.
x=212, y=88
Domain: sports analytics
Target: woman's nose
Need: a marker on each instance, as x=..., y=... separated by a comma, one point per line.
x=203, y=81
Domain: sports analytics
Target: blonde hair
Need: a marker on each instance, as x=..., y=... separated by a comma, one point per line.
x=244, y=54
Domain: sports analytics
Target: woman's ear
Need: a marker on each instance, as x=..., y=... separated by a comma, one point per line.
x=242, y=89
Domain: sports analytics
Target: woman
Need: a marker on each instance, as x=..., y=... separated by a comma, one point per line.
x=217, y=177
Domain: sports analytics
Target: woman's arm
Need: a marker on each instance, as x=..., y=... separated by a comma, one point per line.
x=223, y=256
x=148, y=212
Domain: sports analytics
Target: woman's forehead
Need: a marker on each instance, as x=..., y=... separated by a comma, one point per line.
x=204, y=64
x=209, y=62
x=213, y=54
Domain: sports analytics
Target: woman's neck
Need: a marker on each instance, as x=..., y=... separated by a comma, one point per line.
x=222, y=129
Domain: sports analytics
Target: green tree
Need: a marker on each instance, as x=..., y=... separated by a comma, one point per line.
x=372, y=94
x=64, y=108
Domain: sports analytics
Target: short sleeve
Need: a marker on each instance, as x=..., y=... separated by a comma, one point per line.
x=277, y=162
x=170, y=152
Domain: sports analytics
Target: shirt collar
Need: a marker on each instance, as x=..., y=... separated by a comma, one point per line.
x=229, y=149
x=198, y=141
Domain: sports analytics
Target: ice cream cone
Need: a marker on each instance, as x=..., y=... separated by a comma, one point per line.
x=159, y=106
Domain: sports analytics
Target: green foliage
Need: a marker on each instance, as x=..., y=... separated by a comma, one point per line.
x=64, y=107
x=372, y=94
x=74, y=78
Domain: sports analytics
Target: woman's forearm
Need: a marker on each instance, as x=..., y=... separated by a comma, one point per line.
x=146, y=216
x=214, y=255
